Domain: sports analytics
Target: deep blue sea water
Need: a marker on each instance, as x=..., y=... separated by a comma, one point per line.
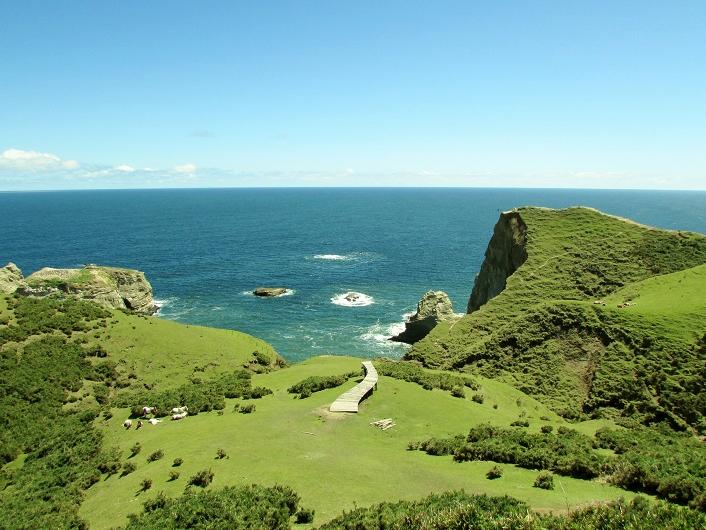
x=205, y=250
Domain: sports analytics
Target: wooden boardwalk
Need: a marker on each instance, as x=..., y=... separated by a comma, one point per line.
x=348, y=401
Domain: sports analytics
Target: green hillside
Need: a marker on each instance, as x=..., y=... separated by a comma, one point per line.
x=560, y=329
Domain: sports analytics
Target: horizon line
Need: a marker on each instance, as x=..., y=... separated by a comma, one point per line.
x=567, y=188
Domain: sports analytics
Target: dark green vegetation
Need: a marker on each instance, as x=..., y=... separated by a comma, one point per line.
x=316, y=383
x=414, y=373
x=561, y=329
x=250, y=507
x=56, y=377
x=458, y=510
x=657, y=461
x=63, y=451
x=198, y=395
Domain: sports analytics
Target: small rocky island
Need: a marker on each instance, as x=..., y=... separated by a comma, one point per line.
x=110, y=287
x=434, y=307
x=270, y=291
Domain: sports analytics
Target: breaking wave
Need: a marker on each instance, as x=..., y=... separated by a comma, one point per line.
x=352, y=299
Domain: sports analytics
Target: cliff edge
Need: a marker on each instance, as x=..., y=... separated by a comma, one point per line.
x=110, y=287
x=506, y=251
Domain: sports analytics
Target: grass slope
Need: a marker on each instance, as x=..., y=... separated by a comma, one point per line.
x=545, y=334
x=333, y=462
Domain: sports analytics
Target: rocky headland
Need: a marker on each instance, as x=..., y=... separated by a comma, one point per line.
x=110, y=287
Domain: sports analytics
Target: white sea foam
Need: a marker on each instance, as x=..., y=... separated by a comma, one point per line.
x=161, y=304
x=332, y=257
x=352, y=299
x=379, y=335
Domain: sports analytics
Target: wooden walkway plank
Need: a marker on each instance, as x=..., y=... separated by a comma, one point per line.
x=349, y=401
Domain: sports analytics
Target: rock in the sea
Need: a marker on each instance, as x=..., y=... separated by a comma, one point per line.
x=505, y=253
x=110, y=287
x=270, y=291
x=10, y=278
x=434, y=307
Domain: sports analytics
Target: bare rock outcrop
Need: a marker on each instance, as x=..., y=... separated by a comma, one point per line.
x=110, y=287
x=434, y=307
x=504, y=255
x=10, y=278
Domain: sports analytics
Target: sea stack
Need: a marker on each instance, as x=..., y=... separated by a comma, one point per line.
x=434, y=307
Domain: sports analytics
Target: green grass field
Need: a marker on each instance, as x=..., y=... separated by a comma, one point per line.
x=164, y=354
x=334, y=462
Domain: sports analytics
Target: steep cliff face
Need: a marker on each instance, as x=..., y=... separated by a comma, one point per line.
x=434, y=307
x=506, y=251
x=108, y=286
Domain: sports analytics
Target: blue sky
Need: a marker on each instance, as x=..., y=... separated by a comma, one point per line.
x=319, y=93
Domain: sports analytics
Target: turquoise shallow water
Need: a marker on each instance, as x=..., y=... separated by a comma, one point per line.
x=204, y=250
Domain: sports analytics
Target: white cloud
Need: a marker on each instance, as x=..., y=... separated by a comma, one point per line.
x=185, y=168
x=34, y=161
x=125, y=168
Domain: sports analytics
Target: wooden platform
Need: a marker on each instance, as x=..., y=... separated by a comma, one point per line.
x=349, y=401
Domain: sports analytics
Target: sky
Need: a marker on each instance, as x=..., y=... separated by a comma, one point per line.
x=497, y=93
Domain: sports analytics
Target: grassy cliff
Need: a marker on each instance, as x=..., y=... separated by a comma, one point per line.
x=599, y=316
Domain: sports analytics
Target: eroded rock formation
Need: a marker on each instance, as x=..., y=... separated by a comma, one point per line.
x=108, y=286
x=10, y=278
x=434, y=307
x=505, y=253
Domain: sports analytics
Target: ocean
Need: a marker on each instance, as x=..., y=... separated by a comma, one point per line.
x=205, y=250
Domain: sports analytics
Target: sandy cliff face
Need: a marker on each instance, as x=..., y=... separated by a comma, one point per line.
x=108, y=286
x=505, y=253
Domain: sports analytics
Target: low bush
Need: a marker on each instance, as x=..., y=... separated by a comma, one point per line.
x=157, y=455
x=244, y=508
x=544, y=481
x=458, y=392
x=247, y=409
x=304, y=516
x=173, y=475
x=494, y=472
x=413, y=373
x=546, y=429
x=145, y=484
x=177, y=462
x=202, y=478
x=128, y=467
x=316, y=383
x=479, y=398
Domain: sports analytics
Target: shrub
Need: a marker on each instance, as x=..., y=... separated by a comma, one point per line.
x=247, y=409
x=177, y=462
x=221, y=453
x=242, y=508
x=316, y=383
x=544, y=481
x=479, y=398
x=304, y=516
x=257, y=392
x=157, y=455
x=458, y=392
x=261, y=358
x=145, y=484
x=236, y=407
x=135, y=449
x=202, y=478
x=546, y=429
x=520, y=423
x=494, y=472
x=173, y=475
x=413, y=373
